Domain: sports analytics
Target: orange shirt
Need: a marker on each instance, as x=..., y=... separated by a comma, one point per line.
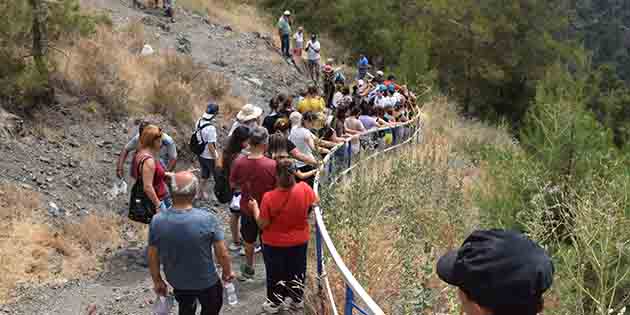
x=287, y=212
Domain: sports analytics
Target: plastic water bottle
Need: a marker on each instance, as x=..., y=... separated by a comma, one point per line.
x=230, y=291
x=163, y=305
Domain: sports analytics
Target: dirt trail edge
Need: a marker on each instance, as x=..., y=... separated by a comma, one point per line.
x=124, y=287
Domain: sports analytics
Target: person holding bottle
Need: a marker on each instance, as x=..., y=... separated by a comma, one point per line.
x=182, y=239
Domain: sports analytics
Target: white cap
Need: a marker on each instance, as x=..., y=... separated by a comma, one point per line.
x=287, y=12
x=379, y=73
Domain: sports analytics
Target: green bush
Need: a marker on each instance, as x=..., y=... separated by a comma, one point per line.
x=19, y=81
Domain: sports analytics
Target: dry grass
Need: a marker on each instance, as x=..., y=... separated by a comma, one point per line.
x=403, y=210
x=34, y=251
x=108, y=68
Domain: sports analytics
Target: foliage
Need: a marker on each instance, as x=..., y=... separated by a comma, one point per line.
x=18, y=78
x=568, y=189
x=489, y=54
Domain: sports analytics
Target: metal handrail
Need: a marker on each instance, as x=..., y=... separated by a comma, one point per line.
x=353, y=287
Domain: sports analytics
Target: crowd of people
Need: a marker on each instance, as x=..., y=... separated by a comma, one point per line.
x=269, y=162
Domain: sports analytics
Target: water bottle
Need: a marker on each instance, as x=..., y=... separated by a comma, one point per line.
x=230, y=292
x=163, y=305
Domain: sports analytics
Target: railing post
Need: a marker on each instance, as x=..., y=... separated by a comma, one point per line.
x=349, y=301
x=349, y=153
x=320, y=258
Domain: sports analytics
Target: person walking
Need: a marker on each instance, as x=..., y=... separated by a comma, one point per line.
x=236, y=145
x=182, y=239
x=498, y=272
x=304, y=140
x=298, y=37
x=363, y=65
x=254, y=174
x=206, y=134
x=312, y=102
x=248, y=116
x=283, y=219
x=151, y=173
x=167, y=154
x=313, y=57
x=284, y=31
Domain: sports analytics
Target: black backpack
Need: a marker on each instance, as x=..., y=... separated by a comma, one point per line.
x=197, y=147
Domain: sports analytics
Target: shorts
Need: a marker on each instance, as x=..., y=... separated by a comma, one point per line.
x=249, y=229
x=313, y=63
x=207, y=167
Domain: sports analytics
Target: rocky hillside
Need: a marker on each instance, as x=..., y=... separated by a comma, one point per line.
x=65, y=154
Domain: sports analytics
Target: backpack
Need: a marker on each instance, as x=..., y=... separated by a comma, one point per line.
x=197, y=147
x=141, y=208
x=222, y=189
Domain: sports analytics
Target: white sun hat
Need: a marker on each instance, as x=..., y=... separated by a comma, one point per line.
x=249, y=112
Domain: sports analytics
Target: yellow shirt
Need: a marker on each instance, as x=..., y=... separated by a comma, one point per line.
x=310, y=104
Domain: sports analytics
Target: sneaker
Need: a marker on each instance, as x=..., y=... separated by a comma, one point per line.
x=235, y=247
x=257, y=250
x=247, y=273
x=270, y=308
x=286, y=304
x=297, y=306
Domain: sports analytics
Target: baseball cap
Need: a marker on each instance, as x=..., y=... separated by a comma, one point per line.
x=498, y=268
x=287, y=12
x=211, y=111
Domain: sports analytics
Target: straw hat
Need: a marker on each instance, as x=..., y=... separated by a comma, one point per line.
x=249, y=112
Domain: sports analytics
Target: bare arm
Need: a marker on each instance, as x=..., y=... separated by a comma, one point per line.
x=305, y=175
x=224, y=259
x=148, y=172
x=121, y=161
x=303, y=157
x=171, y=165
x=262, y=223
x=154, y=268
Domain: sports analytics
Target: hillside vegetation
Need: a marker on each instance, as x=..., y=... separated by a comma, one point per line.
x=552, y=73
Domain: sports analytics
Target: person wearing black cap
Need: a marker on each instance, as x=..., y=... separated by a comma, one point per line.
x=207, y=134
x=498, y=272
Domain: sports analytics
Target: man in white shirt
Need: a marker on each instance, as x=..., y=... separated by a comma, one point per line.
x=207, y=134
x=313, y=55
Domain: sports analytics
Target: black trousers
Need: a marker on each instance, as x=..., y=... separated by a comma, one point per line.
x=286, y=270
x=211, y=300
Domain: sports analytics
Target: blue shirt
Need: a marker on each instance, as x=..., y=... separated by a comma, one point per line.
x=184, y=240
x=363, y=63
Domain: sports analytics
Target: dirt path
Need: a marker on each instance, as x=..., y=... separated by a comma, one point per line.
x=124, y=287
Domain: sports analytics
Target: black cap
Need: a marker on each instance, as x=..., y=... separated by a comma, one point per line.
x=498, y=268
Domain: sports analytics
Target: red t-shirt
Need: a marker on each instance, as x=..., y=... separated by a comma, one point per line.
x=287, y=210
x=159, y=178
x=255, y=177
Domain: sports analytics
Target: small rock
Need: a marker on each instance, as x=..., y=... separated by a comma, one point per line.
x=228, y=28
x=45, y=159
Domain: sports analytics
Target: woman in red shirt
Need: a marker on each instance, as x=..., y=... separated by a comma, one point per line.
x=283, y=219
x=153, y=174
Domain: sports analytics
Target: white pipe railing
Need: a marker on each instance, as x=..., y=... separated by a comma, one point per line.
x=354, y=290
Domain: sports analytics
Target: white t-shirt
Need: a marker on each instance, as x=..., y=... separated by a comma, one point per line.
x=313, y=50
x=299, y=40
x=209, y=135
x=300, y=136
x=337, y=99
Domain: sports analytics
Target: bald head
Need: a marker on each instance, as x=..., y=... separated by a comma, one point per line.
x=184, y=185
